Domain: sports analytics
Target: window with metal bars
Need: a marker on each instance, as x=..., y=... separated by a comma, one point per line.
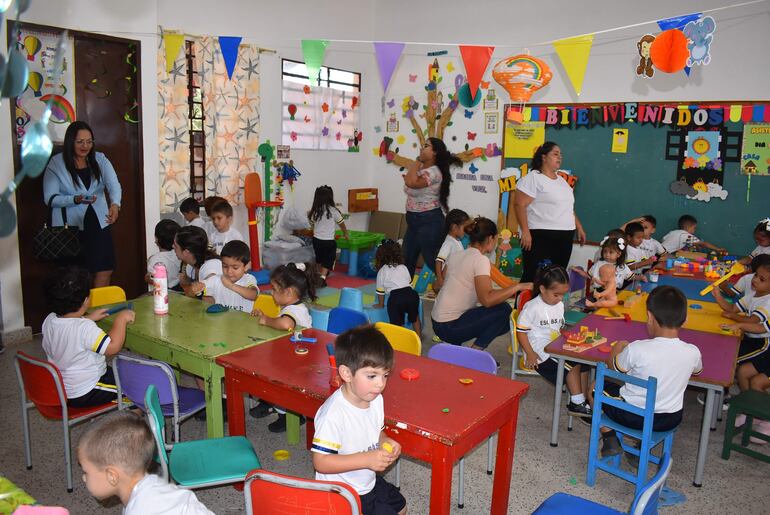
x=197, y=135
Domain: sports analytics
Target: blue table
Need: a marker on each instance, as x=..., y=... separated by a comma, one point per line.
x=690, y=287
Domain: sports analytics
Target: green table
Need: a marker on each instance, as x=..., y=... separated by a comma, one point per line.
x=189, y=339
x=357, y=240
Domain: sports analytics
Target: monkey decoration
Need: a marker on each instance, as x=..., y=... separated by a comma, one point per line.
x=645, y=63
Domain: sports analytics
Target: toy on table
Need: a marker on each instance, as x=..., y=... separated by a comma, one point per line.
x=387, y=447
x=216, y=308
x=297, y=337
x=736, y=268
x=410, y=374
x=334, y=381
x=120, y=307
x=582, y=340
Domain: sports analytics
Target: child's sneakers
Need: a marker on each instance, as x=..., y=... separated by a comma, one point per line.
x=610, y=445
x=279, y=425
x=582, y=410
x=261, y=410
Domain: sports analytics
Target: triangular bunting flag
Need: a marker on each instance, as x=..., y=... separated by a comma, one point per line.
x=387, y=57
x=678, y=22
x=172, y=42
x=313, y=51
x=574, y=53
x=475, y=59
x=229, y=46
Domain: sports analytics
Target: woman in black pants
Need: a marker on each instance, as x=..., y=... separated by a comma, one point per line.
x=545, y=209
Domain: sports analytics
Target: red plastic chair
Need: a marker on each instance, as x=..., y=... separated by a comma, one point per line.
x=269, y=493
x=41, y=386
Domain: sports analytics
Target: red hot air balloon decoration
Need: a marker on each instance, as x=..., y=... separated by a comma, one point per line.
x=292, y=110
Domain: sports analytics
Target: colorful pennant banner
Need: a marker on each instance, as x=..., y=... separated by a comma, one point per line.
x=387, y=55
x=475, y=59
x=313, y=52
x=172, y=42
x=229, y=46
x=574, y=53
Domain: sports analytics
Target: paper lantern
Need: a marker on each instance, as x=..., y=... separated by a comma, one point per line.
x=521, y=75
x=669, y=51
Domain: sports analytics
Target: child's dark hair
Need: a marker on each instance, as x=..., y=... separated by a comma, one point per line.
x=209, y=203
x=122, y=440
x=293, y=276
x=363, y=346
x=455, y=217
x=165, y=231
x=323, y=203
x=651, y=220
x=616, y=233
x=388, y=253
x=190, y=205
x=480, y=229
x=686, y=221
x=618, y=244
x=760, y=261
x=763, y=228
x=668, y=305
x=537, y=158
x=634, y=228
x=223, y=207
x=236, y=249
x=194, y=239
x=444, y=159
x=66, y=288
x=547, y=276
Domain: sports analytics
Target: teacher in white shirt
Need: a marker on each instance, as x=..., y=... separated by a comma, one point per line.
x=545, y=208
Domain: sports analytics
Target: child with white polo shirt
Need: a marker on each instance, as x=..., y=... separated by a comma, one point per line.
x=235, y=288
x=393, y=279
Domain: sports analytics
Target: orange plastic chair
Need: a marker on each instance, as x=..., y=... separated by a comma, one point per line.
x=107, y=295
x=269, y=493
x=41, y=386
x=400, y=338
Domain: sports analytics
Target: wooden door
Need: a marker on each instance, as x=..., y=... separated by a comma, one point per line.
x=107, y=84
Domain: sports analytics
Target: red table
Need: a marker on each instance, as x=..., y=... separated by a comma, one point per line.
x=414, y=414
x=719, y=353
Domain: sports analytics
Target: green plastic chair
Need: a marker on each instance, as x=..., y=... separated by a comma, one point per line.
x=199, y=463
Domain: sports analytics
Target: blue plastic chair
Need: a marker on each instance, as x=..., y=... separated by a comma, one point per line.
x=320, y=318
x=133, y=374
x=342, y=319
x=646, y=503
x=648, y=438
x=425, y=279
x=351, y=298
x=475, y=359
x=199, y=463
x=381, y=314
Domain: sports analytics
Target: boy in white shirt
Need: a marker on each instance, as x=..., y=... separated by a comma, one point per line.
x=191, y=210
x=685, y=235
x=349, y=444
x=165, y=232
x=762, y=238
x=75, y=344
x=115, y=456
x=664, y=357
x=235, y=288
x=222, y=219
x=636, y=258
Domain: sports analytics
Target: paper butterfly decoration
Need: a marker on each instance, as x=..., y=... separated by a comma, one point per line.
x=338, y=136
x=377, y=129
x=473, y=168
x=450, y=67
x=484, y=85
x=468, y=114
x=325, y=107
x=412, y=78
x=392, y=102
x=471, y=136
x=325, y=131
x=306, y=89
x=307, y=119
x=293, y=136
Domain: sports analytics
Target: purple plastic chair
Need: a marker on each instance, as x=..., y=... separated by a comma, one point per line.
x=342, y=319
x=475, y=359
x=133, y=374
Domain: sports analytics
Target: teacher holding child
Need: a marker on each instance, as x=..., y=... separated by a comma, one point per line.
x=545, y=209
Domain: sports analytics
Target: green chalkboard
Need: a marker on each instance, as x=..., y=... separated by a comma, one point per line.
x=613, y=187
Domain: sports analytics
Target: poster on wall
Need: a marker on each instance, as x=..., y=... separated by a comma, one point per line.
x=521, y=140
x=755, y=157
x=39, y=47
x=491, y=123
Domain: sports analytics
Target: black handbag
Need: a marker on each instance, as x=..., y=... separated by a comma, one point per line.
x=55, y=243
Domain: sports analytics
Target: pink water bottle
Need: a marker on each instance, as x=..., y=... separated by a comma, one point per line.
x=160, y=289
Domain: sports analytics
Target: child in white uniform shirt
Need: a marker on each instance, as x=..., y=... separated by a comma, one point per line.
x=393, y=279
x=762, y=237
x=235, y=288
x=191, y=210
x=222, y=220
x=664, y=357
x=539, y=323
x=324, y=217
x=349, y=444
x=165, y=232
x=636, y=257
x=650, y=245
x=115, y=455
x=191, y=246
x=455, y=223
x=685, y=236
x=75, y=344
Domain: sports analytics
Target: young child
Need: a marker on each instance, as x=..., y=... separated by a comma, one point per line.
x=608, y=274
x=393, y=278
x=539, y=323
x=324, y=217
x=455, y=223
x=762, y=237
x=349, y=444
x=116, y=454
x=685, y=236
x=612, y=233
x=222, y=219
x=235, y=288
x=650, y=245
x=165, y=232
x=75, y=344
x=636, y=257
x=191, y=246
x=191, y=211
x=664, y=357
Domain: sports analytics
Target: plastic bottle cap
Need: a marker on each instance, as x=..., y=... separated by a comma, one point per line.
x=410, y=374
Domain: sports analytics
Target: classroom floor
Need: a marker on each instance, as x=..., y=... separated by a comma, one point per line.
x=735, y=486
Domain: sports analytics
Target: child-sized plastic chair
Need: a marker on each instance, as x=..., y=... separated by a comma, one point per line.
x=352, y=298
x=400, y=338
x=266, y=305
x=645, y=503
x=421, y=282
x=270, y=492
x=342, y=319
x=107, y=295
x=517, y=355
x=320, y=317
x=475, y=359
x=199, y=463
x=754, y=405
x=649, y=439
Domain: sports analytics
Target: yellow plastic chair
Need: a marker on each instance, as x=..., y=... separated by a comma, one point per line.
x=400, y=338
x=107, y=295
x=266, y=305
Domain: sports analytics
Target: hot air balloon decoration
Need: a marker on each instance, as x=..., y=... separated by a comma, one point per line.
x=32, y=46
x=521, y=75
x=35, y=83
x=292, y=110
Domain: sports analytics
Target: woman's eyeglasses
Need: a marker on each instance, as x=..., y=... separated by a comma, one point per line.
x=87, y=142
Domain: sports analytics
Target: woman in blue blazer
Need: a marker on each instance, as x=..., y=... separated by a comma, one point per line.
x=84, y=182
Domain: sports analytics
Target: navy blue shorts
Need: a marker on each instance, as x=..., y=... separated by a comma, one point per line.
x=105, y=391
x=660, y=421
x=383, y=499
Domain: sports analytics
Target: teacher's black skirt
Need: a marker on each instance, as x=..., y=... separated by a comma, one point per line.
x=555, y=246
x=97, y=252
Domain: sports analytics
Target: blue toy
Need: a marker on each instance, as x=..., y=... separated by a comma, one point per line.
x=120, y=307
x=216, y=308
